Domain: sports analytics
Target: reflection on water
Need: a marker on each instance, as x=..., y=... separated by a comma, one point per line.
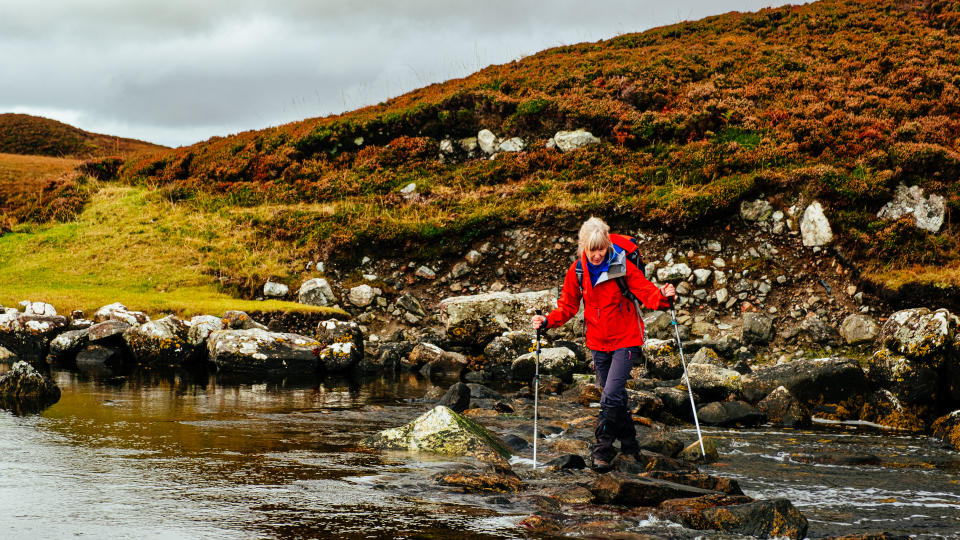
x=173, y=455
x=185, y=455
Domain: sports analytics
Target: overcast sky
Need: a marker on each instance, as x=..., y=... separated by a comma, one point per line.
x=176, y=72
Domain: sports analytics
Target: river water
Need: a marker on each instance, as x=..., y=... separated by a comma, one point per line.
x=181, y=455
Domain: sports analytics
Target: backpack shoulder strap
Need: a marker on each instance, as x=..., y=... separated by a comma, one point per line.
x=579, y=271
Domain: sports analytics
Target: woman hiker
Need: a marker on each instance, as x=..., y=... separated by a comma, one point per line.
x=614, y=327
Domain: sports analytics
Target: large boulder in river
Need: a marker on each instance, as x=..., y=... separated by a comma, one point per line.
x=947, y=429
x=23, y=389
x=557, y=361
x=434, y=361
x=918, y=332
x=341, y=345
x=475, y=320
x=730, y=413
x=713, y=382
x=29, y=336
x=777, y=518
x=819, y=381
x=912, y=382
x=442, y=431
x=201, y=327
x=260, y=353
x=65, y=346
x=783, y=409
x=163, y=342
x=500, y=353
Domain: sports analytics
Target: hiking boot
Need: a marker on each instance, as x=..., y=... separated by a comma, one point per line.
x=626, y=432
x=603, y=451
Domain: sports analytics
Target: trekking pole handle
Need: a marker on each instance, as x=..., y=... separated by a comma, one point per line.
x=539, y=326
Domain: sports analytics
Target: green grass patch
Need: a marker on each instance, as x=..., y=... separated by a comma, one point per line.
x=131, y=246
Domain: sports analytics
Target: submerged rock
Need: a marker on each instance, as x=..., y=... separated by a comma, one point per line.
x=442, y=431
x=492, y=479
x=730, y=413
x=782, y=408
x=629, y=490
x=67, y=345
x=23, y=388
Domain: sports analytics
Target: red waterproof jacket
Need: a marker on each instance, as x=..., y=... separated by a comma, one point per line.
x=612, y=321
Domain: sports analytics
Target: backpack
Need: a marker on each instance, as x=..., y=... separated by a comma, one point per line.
x=628, y=245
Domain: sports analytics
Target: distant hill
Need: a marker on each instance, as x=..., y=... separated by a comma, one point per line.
x=33, y=135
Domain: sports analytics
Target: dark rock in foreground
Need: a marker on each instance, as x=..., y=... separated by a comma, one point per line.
x=23, y=389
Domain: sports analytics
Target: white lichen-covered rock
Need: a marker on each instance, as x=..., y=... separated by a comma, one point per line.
x=702, y=276
x=859, y=328
x=928, y=213
x=341, y=345
x=479, y=318
x=361, y=295
x=41, y=309
x=164, y=342
x=674, y=272
x=119, y=312
x=557, y=361
x=566, y=141
x=919, y=332
x=201, y=327
x=29, y=336
x=814, y=227
x=262, y=353
x=442, y=431
x=275, y=290
x=487, y=141
x=316, y=292
x=514, y=144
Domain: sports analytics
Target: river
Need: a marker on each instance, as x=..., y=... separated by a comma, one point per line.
x=181, y=455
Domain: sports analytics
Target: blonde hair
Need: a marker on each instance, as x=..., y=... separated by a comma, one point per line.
x=594, y=234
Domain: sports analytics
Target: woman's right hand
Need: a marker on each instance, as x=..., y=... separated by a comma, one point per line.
x=537, y=321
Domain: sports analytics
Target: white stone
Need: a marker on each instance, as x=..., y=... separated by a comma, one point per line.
x=674, y=272
x=719, y=263
x=274, y=289
x=814, y=227
x=714, y=246
x=409, y=189
x=514, y=144
x=571, y=140
x=719, y=278
x=425, y=272
x=361, y=295
x=446, y=146
x=469, y=144
x=487, y=141
x=758, y=210
x=722, y=295
x=473, y=257
x=41, y=309
x=702, y=276
x=316, y=292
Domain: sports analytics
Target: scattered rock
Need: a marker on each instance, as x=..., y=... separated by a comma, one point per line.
x=487, y=141
x=785, y=410
x=29, y=336
x=361, y=295
x=777, y=518
x=275, y=290
x=757, y=328
x=859, y=328
x=119, y=312
x=476, y=320
x=557, y=361
x=758, y=210
x=493, y=479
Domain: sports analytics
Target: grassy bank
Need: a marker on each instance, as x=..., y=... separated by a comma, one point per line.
x=130, y=245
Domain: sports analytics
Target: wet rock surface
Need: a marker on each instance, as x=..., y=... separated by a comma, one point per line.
x=24, y=389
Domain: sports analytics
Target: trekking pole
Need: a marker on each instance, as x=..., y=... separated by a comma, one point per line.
x=693, y=405
x=536, y=392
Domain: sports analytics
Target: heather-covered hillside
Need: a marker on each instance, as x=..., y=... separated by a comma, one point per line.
x=837, y=101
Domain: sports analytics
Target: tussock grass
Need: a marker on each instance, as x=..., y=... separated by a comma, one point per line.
x=131, y=246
